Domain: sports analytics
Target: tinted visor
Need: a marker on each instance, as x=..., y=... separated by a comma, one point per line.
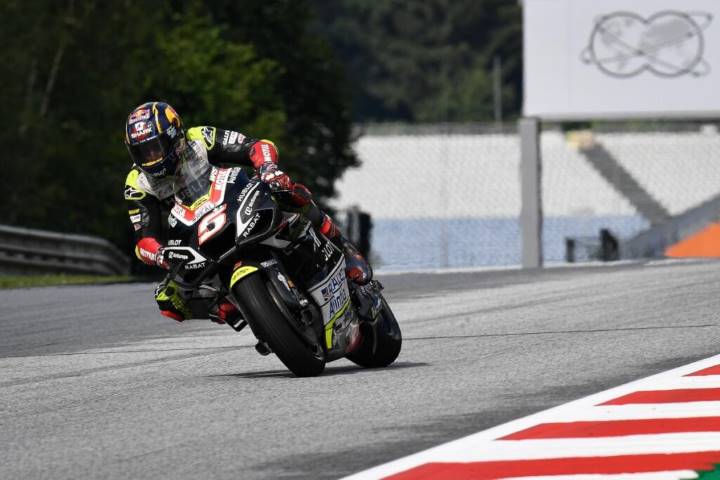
x=151, y=153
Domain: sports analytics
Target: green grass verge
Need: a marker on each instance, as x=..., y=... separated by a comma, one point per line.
x=714, y=475
x=25, y=281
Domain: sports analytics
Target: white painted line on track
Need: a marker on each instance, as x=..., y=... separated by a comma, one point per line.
x=637, y=412
x=710, y=381
x=485, y=446
x=482, y=450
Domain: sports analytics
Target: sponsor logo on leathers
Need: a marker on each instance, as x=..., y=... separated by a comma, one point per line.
x=208, y=134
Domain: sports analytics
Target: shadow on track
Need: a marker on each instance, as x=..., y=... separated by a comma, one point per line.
x=329, y=372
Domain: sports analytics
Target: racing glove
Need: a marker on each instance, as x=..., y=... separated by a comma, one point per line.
x=276, y=179
x=160, y=259
x=151, y=252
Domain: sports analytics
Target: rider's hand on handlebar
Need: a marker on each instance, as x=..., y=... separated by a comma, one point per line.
x=276, y=179
x=160, y=259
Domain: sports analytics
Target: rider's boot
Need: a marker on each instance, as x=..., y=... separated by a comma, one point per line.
x=171, y=301
x=357, y=269
x=226, y=312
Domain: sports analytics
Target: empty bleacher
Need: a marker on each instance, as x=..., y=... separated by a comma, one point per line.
x=452, y=199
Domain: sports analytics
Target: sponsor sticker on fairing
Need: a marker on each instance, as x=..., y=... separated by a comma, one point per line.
x=174, y=255
x=251, y=203
x=327, y=251
x=337, y=302
x=220, y=181
x=333, y=285
x=248, y=229
x=315, y=238
x=333, y=296
x=244, y=191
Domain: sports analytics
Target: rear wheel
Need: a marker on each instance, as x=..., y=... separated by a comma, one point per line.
x=387, y=336
x=270, y=324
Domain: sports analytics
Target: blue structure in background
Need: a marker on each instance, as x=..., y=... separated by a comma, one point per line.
x=475, y=242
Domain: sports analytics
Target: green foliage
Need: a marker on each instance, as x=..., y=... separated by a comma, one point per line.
x=316, y=145
x=211, y=80
x=426, y=60
x=710, y=475
x=63, y=123
x=72, y=71
x=26, y=281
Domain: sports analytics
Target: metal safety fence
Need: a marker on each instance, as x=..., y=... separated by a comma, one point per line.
x=24, y=250
x=449, y=195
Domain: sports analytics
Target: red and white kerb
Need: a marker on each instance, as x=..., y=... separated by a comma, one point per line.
x=662, y=427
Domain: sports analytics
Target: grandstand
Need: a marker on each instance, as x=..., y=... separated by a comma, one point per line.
x=452, y=199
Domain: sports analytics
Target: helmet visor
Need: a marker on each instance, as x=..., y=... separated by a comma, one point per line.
x=151, y=153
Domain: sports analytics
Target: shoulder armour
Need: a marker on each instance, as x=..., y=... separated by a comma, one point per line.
x=133, y=190
x=138, y=185
x=206, y=134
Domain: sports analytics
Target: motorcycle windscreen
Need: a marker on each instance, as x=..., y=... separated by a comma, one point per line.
x=192, y=179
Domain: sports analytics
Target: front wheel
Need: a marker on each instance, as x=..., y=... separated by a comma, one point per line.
x=270, y=325
x=386, y=335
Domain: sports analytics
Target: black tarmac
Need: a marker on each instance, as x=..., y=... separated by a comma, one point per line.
x=94, y=383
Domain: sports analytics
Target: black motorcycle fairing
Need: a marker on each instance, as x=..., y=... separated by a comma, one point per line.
x=311, y=257
x=285, y=277
x=258, y=216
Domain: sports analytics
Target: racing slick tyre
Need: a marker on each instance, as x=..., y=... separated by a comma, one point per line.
x=270, y=325
x=387, y=336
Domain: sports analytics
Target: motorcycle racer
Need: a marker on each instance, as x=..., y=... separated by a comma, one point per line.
x=158, y=144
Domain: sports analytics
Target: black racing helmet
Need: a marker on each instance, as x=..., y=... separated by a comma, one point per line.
x=153, y=136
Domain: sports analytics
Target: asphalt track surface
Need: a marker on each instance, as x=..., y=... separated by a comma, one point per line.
x=94, y=383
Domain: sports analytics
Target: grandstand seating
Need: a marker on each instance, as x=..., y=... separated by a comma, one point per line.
x=470, y=178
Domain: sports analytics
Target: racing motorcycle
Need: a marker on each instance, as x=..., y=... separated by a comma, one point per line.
x=229, y=239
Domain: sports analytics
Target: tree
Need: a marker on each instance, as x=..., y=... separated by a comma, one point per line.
x=428, y=60
x=67, y=85
x=72, y=71
x=316, y=146
x=213, y=80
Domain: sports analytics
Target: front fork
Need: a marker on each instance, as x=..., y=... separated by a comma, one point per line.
x=365, y=299
x=288, y=298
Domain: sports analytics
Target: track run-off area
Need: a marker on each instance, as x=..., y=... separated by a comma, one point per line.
x=94, y=383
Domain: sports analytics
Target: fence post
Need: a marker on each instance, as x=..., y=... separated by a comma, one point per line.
x=358, y=228
x=569, y=250
x=531, y=216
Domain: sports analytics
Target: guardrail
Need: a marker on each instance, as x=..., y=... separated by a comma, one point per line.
x=23, y=250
